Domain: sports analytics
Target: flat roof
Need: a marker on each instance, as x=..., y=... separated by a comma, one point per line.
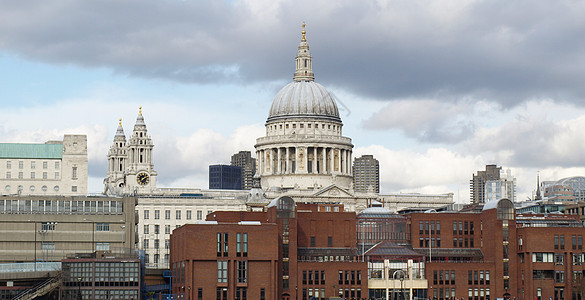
x=40, y=151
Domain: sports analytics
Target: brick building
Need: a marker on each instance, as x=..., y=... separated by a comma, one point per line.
x=289, y=251
x=499, y=253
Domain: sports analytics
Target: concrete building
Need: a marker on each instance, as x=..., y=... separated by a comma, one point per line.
x=245, y=160
x=291, y=251
x=366, y=174
x=49, y=228
x=477, y=184
x=225, y=177
x=52, y=168
x=101, y=275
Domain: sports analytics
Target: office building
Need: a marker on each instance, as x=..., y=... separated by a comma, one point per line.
x=49, y=169
x=290, y=251
x=225, y=177
x=366, y=174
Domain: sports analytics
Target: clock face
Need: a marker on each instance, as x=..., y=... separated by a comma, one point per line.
x=142, y=178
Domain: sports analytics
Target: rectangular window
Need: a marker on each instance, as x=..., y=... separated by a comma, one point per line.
x=157, y=229
x=330, y=241
x=102, y=246
x=167, y=244
x=145, y=244
x=454, y=227
x=44, y=175
x=312, y=241
x=146, y=229
x=8, y=164
x=421, y=227
x=199, y=215
x=146, y=214
x=580, y=242
x=20, y=164
x=438, y=227
x=8, y=175
x=56, y=165
x=156, y=214
x=74, y=188
x=188, y=215
x=74, y=172
x=48, y=226
x=167, y=214
x=242, y=271
x=47, y=246
x=222, y=271
x=45, y=165
x=102, y=227
x=562, y=238
x=574, y=242
x=56, y=175
x=200, y=294
x=32, y=175
x=167, y=229
x=20, y=175
x=178, y=214
x=304, y=277
x=262, y=294
x=157, y=244
x=310, y=277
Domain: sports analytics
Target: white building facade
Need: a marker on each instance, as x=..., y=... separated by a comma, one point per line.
x=49, y=169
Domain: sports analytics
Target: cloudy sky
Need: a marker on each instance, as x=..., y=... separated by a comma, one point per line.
x=433, y=89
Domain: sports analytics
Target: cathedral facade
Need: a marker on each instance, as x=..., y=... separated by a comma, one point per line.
x=130, y=163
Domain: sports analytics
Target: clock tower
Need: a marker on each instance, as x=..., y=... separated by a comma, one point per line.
x=130, y=165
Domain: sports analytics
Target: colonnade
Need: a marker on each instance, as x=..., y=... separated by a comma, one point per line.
x=304, y=160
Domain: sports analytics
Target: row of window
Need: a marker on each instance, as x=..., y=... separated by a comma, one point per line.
x=146, y=244
x=311, y=277
x=33, y=188
x=478, y=277
x=222, y=293
x=33, y=164
x=429, y=227
x=61, y=206
x=301, y=125
x=463, y=228
x=444, y=277
x=577, y=242
x=557, y=258
x=350, y=277
x=156, y=259
x=33, y=175
x=178, y=214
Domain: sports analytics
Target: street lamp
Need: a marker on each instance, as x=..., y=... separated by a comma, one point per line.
x=79, y=288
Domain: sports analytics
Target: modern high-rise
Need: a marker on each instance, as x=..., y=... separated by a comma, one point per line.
x=225, y=177
x=478, y=183
x=502, y=188
x=366, y=174
x=245, y=160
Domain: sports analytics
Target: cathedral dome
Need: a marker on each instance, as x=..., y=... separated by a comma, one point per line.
x=304, y=99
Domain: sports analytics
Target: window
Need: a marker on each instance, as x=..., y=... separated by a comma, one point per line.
x=102, y=246
x=20, y=175
x=156, y=229
x=157, y=244
x=74, y=172
x=262, y=294
x=560, y=276
x=146, y=229
x=157, y=214
x=167, y=229
x=167, y=244
x=562, y=242
x=167, y=214
x=102, y=227
x=20, y=164
x=48, y=226
x=222, y=271
x=32, y=175
x=312, y=241
x=200, y=294
x=56, y=175
x=330, y=241
x=557, y=242
x=8, y=165
x=242, y=271
x=44, y=165
x=44, y=175
x=199, y=215
x=74, y=188
x=188, y=215
x=56, y=165
x=559, y=259
x=178, y=214
x=47, y=246
x=146, y=214
x=146, y=242
x=8, y=175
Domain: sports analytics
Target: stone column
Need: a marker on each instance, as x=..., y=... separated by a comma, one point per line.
x=287, y=165
x=278, y=161
x=315, y=159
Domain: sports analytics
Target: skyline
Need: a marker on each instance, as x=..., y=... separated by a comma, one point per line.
x=434, y=91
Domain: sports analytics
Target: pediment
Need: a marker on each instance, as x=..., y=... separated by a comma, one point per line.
x=333, y=191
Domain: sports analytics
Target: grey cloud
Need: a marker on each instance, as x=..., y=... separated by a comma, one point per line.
x=500, y=50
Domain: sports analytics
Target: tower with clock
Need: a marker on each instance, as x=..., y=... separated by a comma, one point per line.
x=130, y=163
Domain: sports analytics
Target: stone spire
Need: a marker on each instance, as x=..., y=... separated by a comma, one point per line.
x=120, y=130
x=304, y=62
x=538, y=196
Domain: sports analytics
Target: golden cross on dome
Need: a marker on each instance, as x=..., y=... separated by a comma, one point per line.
x=303, y=39
x=120, y=123
x=140, y=110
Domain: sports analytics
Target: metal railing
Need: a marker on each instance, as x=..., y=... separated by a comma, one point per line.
x=30, y=267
